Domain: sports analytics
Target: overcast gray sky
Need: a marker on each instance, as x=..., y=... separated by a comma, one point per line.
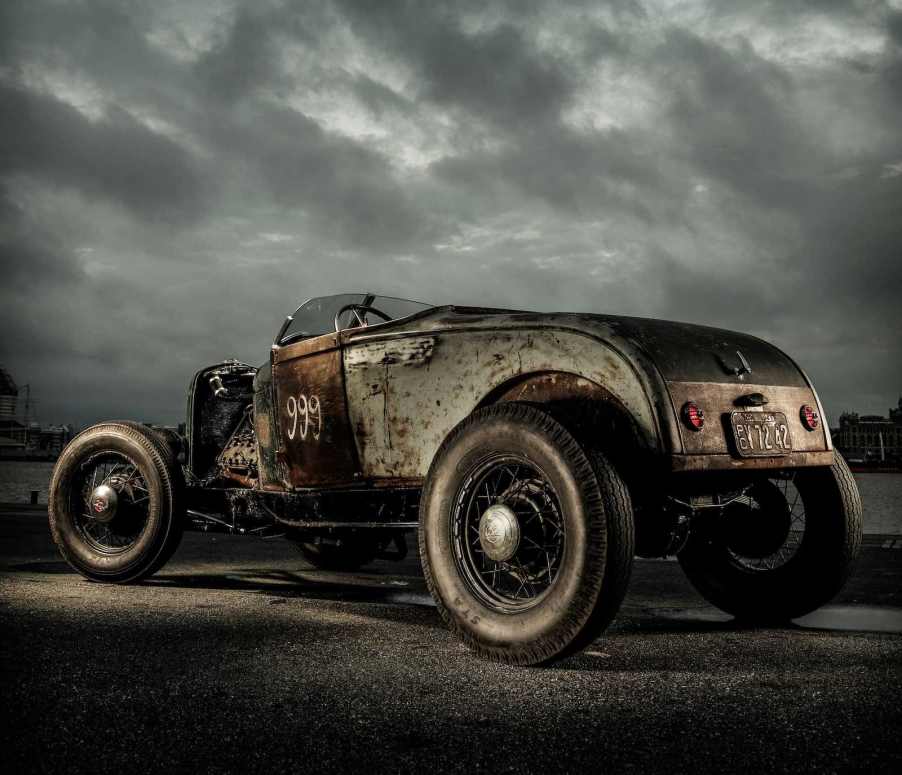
x=177, y=175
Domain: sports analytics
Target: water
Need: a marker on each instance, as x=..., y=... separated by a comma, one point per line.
x=18, y=479
x=870, y=618
x=881, y=498
x=854, y=618
x=881, y=494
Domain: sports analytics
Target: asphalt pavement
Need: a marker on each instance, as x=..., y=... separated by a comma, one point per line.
x=238, y=656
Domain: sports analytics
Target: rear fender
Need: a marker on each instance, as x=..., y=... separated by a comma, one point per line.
x=591, y=412
x=405, y=394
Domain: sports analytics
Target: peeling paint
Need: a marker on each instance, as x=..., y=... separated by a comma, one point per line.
x=400, y=430
x=411, y=352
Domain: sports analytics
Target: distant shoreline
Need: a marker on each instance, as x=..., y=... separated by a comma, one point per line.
x=29, y=458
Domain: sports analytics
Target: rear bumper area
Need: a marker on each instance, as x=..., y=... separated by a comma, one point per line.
x=719, y=400
x=680, y=463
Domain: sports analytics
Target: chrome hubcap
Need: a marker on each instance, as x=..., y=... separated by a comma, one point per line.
x=104, y=501
x=110, y=502
x=499, y=532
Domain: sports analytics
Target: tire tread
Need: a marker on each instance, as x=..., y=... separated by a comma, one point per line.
x=172, y=488
x=808, y=580
x=610, y=535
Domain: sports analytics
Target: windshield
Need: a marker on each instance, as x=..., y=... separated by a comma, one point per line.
x=317, y=316
x=395, y=308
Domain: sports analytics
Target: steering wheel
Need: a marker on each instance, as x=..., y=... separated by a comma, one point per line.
x=357, y=309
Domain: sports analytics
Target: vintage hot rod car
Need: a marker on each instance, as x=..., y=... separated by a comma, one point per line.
x=534, y=454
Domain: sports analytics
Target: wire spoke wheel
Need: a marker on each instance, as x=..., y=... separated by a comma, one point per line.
x=781, y=550
x=508, y=533
x=116, y=505
x=111, y=502
x=766, y=525
x=526, y=538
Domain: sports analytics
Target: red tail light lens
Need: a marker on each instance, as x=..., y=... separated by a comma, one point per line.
x=810, y=417
x=693, y=415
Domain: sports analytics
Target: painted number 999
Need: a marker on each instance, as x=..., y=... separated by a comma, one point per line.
x=305, y=417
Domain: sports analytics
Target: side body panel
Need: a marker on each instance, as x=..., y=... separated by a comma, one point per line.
x=271, y=473
x=406, y=392
x=376, y=403
x=315, y=444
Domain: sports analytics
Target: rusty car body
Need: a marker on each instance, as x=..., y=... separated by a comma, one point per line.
x=338, y=439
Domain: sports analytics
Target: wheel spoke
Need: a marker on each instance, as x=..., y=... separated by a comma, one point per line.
x=524, y=576
x=121, y=528
x=760, y=503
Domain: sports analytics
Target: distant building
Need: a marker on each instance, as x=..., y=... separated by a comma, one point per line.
x=22, y=437
x=13, y=434
x=10, y=448
x=870, y=438
x=51, y=440
x=9, y=394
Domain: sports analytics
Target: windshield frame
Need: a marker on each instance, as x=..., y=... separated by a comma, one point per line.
x=281, y=339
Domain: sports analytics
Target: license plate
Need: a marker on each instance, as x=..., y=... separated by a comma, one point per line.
x=761, y=434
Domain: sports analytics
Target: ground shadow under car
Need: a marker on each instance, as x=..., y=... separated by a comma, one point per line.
x=404, y=599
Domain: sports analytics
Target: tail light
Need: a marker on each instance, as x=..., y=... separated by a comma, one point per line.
x=693, y=416
x=810, y=418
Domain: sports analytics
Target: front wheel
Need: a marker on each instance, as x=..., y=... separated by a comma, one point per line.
x=115, y=503
x=783, y=549
x=526, y=540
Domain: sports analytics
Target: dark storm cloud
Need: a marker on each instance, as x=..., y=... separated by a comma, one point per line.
x=893, y=64
x=25, y=255
x=580, y=174
x=115, y=156
x=378, y=98
x=894, y=26
x=243, y=59
x=347, y=186
x=351, y=190
x=496, y=75
x=177, y=175
x=104, y=40
x=729, y=114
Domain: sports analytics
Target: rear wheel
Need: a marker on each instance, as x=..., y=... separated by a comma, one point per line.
x=526, y=540
x=115, y=503
x=783, y=549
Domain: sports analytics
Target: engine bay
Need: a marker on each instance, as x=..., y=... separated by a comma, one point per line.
x=222, y=446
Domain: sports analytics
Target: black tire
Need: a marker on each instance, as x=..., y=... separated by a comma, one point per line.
x=815, y=572
x=348, y=553
x=154, y=521
x=168, y=445
x=589, y=506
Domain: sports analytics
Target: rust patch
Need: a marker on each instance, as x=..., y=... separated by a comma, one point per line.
x=313, y=425
x=429, y=384
x=681, y=463
x=408, y=352
x=552, y=386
